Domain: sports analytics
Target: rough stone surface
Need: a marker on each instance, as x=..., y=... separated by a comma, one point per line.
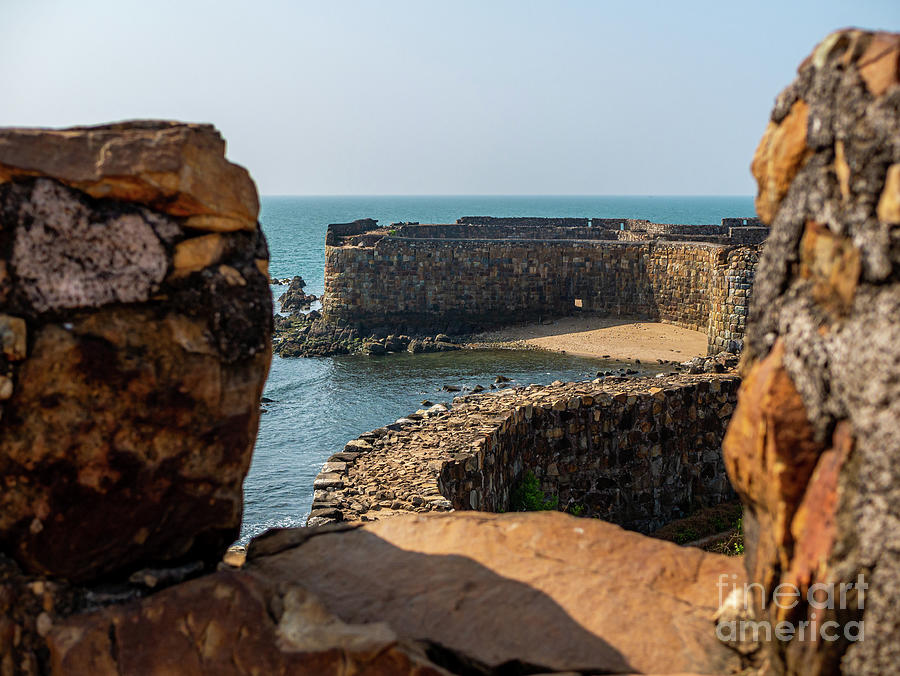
x=544, y=590
x=196, y=253
x=295, y=299
x=129, y=393
x=174, y=168
x=812, y=448
x=640, y=453
x=778, y=158
x=127, y=441
x=228, y=623
x=889, y=203
x=67, y=255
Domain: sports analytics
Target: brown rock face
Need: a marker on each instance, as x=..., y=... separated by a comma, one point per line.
x=127, y=440
x=889, y=203
x=879, y=65
x=129, y=393
x=177, y=169
x=545, y=590
x=778, y=158
x=229, y=623
x=812, y=447
x=771, y=454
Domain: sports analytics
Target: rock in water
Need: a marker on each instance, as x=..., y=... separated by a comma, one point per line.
x=134, y=349
x=294, y=299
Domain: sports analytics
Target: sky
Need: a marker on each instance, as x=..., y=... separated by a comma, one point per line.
x=425, y=97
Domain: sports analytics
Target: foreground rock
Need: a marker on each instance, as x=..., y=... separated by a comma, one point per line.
x=813, y=446
x=229, y=623
x=473, y=593
x=134, y=348
x=544, y=590
x=174, y=168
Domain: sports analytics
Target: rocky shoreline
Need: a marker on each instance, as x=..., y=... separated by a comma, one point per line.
x=308, y=335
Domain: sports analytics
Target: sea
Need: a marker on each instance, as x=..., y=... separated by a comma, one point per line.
x=319, y=404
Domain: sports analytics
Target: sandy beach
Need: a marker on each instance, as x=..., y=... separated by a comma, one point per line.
x=602, y=337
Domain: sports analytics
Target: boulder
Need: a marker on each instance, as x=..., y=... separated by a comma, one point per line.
x=813, y=446
x=228, y=623
x=545, y=590
x=374, y=348
x=173, y=168
x=295, y=299
x=134, y=351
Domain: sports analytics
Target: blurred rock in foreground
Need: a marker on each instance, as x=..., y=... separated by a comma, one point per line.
x=135, y=346
x=472, y=593
x=813, y=446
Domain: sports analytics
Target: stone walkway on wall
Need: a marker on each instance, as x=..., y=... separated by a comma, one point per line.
x=397, y=469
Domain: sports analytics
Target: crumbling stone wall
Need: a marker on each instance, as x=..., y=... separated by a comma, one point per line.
x=639, y=453
x=813, y=447
x=459, y=284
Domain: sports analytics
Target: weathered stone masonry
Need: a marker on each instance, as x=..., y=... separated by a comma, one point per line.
x=463, y=277
x=638, y=453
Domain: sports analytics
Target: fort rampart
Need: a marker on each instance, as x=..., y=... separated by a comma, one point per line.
x=639, y=453
x=483, y=272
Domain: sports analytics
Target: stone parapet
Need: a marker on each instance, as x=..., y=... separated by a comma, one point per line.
x=459, y=284
x=638, y=452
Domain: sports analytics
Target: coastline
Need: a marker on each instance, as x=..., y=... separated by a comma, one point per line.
x=599, y=337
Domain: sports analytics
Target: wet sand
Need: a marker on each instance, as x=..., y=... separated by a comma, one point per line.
x=600, y=337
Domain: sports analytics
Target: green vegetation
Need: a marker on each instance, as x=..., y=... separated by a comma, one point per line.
x=733, y=543
x=737, y=543
x=576, y=510
x=724, y=521
x=528, y=496
x=685, y=535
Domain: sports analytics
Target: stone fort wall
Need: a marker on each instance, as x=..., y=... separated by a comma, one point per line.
x=639, y=453
x=462, y=277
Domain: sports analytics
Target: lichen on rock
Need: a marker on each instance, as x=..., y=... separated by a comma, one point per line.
x=67, y=254
x=812, y=446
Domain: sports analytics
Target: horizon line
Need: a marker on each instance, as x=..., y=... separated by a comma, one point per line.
x=495, y=195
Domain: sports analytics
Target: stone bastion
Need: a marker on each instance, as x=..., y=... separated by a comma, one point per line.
x=483, y=272
x=637, y=452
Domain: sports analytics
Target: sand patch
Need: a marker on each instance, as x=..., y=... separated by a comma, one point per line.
x=603, y=337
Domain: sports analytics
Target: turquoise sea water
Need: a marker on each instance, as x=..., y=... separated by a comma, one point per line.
x=321, y=403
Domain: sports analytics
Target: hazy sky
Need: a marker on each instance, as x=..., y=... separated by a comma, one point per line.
x=390, y=97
